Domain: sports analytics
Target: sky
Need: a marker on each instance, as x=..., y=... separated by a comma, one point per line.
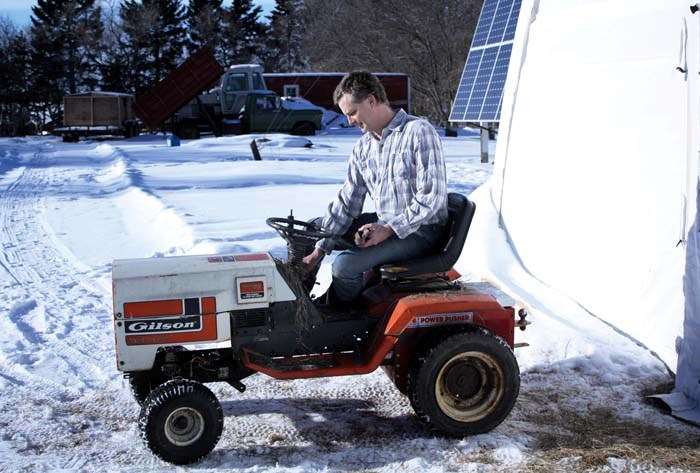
x=19, y=11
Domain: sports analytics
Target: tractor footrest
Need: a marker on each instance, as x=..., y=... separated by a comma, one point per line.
x=293, y=363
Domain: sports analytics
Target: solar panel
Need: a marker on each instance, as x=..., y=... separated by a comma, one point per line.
x=480, y=92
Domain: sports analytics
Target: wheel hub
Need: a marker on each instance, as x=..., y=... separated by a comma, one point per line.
x=184, y=426
x=469, y=386
x=463, y=380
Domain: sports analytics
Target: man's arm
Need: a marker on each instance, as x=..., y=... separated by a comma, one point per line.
x=341, y=212
x=348, y=203
x=313, y=259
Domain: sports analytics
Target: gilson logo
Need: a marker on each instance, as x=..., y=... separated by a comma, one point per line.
x=169, y=325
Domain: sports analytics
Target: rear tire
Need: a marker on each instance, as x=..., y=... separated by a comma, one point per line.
x=181, y=421
x=465, y=384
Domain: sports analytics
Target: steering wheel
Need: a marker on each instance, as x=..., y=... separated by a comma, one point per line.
x=290, y=229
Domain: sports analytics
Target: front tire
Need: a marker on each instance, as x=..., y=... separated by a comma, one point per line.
x=181, y=421
x=465, y=384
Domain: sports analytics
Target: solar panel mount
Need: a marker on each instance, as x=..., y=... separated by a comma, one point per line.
x=480, y=94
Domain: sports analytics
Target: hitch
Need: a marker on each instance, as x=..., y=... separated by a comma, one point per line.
x=522, y=323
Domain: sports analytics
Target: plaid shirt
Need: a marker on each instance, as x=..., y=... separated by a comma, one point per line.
x=404, y=173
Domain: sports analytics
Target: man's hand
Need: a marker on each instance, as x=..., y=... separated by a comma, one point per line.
x=372, y=234
x=311, y=260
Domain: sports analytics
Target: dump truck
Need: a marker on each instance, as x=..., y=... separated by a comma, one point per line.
x=201, y=96
x=97, y=113
x=198, y=96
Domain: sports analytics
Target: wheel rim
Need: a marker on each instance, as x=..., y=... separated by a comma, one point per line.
x=469, y=386
x=184, y=426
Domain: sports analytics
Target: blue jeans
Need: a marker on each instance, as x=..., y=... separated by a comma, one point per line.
x=351, y=263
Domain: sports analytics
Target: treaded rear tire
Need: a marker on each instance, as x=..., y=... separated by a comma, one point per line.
x=181, y=421
x=465, y=384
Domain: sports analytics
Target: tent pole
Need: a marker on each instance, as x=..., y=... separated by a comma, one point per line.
x=484, y=142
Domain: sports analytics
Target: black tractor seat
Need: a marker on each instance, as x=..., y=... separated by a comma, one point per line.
x=460, y=213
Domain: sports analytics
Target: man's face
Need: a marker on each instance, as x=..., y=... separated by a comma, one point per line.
x=360, y=114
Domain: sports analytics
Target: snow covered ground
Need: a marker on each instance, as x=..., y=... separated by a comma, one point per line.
x=68, y=210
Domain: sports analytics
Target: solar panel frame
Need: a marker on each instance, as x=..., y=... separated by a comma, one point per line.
x=480, y=93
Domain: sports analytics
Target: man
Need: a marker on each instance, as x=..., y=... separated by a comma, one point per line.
x=399, y=163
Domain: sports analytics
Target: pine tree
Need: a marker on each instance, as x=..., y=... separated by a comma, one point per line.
x=244, y=33
x=66, y=32
x=205, y=21
x=65, y=35
x=48, y=78
x=286, y=33
x=115, y=62
x=155, y=39
x=14, y=74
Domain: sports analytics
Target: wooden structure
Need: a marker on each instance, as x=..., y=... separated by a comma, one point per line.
x=97, y=109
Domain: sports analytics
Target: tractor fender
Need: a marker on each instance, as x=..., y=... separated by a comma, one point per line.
x=433, y=310
x=420, y=320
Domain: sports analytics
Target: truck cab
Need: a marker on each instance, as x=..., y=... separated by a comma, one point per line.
x=236, y=83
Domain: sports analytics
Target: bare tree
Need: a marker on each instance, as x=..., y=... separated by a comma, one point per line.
x=428, y=40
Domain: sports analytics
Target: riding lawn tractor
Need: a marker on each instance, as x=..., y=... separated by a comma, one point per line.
x=181, y=322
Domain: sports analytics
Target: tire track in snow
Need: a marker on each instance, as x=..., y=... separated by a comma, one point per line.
x=9, y=160
x=57, y=369
x=45, y=276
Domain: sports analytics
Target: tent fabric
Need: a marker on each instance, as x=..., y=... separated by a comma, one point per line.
x=684, y=401
x=597, y=164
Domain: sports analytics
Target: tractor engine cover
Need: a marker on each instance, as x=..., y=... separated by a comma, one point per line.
x=187, y=300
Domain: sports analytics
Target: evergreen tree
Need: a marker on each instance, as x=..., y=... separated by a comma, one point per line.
x=205, y=21
x=155, y=38
x=115, y=62
x=14, y=75
x=244, y=33
x=65, y=35
x=285, y=36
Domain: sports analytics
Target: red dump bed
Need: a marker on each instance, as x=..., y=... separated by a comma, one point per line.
x=190, y=79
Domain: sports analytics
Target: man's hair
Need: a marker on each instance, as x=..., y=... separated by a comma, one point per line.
x=360, y=85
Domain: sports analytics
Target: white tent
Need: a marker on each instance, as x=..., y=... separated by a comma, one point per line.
x=597, y=167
